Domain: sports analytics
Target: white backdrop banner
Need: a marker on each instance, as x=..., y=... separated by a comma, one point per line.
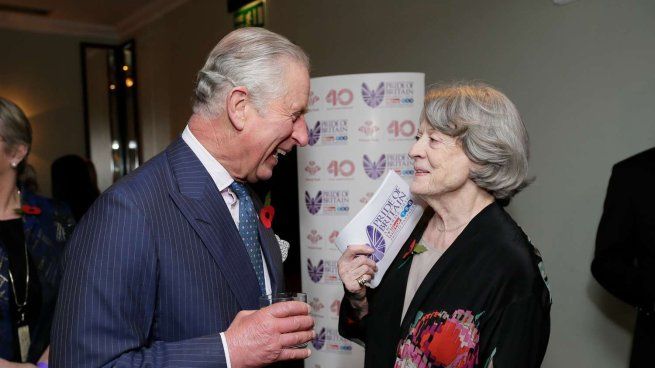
x=360, y=126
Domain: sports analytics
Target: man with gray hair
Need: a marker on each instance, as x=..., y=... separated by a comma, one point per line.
x=167, y=266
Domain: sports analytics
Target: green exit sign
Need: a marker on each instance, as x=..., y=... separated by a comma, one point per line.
x=250, y=15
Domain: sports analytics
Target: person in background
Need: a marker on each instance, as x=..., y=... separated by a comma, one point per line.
x=468, y=288
x=74, y=182
x=624, y=261
x=33, y=231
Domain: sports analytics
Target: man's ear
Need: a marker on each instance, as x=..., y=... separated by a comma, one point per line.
x=236, y=100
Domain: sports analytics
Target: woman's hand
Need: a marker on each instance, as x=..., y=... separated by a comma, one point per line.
x=354, y=265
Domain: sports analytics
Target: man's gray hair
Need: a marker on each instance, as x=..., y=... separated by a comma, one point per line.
x=249, y=57
x=491, y=132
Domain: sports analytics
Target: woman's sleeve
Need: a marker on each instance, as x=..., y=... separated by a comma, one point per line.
x=350, y=325
x=519, y=336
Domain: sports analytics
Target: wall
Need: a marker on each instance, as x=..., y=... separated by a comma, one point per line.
x=170, y=51
x=580, y=74
x=41, y=73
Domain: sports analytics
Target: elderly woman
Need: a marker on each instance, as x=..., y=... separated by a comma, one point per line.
x=468, y=289
x=33, y=231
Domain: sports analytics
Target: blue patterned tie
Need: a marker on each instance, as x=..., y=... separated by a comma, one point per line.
x=249, y=231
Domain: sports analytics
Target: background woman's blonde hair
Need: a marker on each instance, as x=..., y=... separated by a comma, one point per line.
x=16, y=130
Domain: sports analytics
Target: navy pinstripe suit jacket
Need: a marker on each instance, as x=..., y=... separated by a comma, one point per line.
x=155, y=271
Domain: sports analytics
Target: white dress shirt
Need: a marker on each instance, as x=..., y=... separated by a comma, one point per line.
x=222, y=179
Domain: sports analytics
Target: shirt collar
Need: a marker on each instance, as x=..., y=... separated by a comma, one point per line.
x=221, y=177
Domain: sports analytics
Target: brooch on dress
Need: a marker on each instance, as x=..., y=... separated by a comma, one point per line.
x=412, y=250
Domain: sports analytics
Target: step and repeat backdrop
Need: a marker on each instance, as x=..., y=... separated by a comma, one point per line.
x=360, y=126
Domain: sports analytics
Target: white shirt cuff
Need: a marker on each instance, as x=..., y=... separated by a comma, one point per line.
x=227, y=353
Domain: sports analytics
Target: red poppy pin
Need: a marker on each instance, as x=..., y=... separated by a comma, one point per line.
x=267, y=212
x=26, y=209
x=412, y=250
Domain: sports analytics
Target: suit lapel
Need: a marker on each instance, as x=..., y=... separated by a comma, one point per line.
x=273, y=257
x=201, y=203
x=41, y=240
x=271, y=250
x=31, y=227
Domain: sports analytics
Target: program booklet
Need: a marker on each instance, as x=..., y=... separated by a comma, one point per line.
x=384, y=223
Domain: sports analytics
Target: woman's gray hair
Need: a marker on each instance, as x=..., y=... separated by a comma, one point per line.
x=249, y=57
x=16, y=130
x=491, y=132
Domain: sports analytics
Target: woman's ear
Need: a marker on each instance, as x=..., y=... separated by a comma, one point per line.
x=236, y=101
x=18, y=154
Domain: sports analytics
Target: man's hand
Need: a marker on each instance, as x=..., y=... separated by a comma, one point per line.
x=259, y=338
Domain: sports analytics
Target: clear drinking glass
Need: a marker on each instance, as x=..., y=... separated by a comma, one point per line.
x=268, y=299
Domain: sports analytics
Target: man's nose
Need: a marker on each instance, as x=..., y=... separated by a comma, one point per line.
x=300, y=132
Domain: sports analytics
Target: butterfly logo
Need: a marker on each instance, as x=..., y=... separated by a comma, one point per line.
x=315, y=272
x=314, y=236
x=319, y=340
x=312, y=168
x=373, y=98
x=313, y=203
x=369, y=128
x=375, y=241
x=375, y=169
x=314, y=133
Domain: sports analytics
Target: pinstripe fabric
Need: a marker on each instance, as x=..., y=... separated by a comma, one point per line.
x=155, y=271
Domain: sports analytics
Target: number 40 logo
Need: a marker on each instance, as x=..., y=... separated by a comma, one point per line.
x=405, y=128
x=341, y=168
x=341, y=97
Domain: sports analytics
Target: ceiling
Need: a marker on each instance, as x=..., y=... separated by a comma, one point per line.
x=101, y=12
x=112, y=18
